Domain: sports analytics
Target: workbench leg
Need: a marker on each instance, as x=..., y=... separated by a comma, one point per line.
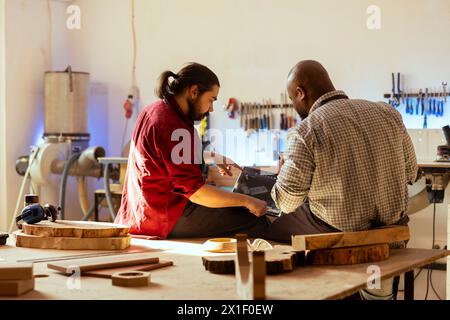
x=409, y=285
x=96, y=207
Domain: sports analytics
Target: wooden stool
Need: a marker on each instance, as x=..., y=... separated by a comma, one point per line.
x=100, y=200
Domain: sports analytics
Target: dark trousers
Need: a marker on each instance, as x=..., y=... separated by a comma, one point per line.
x=203, y=222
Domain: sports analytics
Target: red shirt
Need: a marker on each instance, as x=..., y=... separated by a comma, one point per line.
x=157, y=187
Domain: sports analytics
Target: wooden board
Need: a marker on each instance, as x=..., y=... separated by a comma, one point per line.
x=349, y=239
x=108, y=262
x=60, y=243
x=16, y=271
x=76, y=229
x=348, y=255
x=107, y=273
x=277, y=261
x=15, y=287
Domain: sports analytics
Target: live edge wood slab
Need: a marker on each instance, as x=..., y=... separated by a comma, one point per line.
x=75, y=229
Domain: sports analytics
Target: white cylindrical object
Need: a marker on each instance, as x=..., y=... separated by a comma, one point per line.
x=66, y=102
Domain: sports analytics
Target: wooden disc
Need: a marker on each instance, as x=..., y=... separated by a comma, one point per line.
x=60, y=243
x=131, y=279
x=75, y=229
x=349, y=255
x=277, y=261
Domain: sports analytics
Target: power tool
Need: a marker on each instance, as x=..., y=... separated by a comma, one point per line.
x=35, y=213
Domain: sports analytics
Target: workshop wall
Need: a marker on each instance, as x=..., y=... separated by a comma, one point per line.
x=3, y=198
x=253, y=44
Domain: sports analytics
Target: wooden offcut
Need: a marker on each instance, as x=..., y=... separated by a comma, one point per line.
x=16, y=271
x=348, y=255
x=66, y=243
x=75, y=229
x=350, y=239
x=131, y=279
x=250, y=276
x=108, y=262
x=16, y=287
x=107, y=273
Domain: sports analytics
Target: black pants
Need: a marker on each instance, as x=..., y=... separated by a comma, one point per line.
x=203, y=222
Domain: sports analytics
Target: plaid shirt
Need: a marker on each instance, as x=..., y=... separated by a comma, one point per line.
x=352, y=159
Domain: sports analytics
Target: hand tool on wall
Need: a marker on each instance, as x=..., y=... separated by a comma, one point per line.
x=440, y=104
x=271, y=120
x=399, y=91
x=418, y=102
x=444, y=88
x=394, y=100
x=422, y=102
x=241, y=115
x=261, y=116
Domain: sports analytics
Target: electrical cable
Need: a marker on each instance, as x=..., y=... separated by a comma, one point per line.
x=62, y=188
x=133, y=69
x=434, y=239
x=123, y=138
x=33, y=154
x=50, y=33
x=133, y=30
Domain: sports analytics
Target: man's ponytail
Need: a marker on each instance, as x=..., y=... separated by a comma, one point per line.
x=163, y=88
x=191, y=74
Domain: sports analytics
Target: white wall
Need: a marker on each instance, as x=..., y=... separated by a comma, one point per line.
x=252, y=45
x=27, y=47
x=3, y=197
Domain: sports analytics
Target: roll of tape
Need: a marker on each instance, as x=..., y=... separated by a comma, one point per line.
x=131, y=279
x=220, y=245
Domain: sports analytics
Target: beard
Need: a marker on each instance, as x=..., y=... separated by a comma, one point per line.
x=194, y=113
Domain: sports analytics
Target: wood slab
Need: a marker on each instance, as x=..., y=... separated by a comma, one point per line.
x=108, y=262
x=348, y=255
x=277, y=261
x=61, y=243
x=76, y=229
x=350, y=239
x=107, y=273
x=16, y=271
x=15, y=287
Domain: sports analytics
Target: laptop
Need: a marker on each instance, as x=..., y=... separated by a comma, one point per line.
x=258, y=183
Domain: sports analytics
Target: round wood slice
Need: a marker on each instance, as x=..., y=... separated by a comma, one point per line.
x=277, y=261
x=349, y=255
x=67, y=243
x=75, y=229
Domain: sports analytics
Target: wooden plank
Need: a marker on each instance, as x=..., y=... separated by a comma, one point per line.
x=349, y=239
x=16, y=287
x=76, y=229
x=108, y=262
x=348, y=255
x=62, y=243
x=107, y=273
x=16, y=271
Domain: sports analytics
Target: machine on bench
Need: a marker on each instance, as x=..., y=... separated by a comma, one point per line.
x=437, y=177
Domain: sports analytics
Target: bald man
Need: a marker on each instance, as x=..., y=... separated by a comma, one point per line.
x=347, y=164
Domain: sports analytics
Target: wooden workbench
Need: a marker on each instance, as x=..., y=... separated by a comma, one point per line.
x=188, y=280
